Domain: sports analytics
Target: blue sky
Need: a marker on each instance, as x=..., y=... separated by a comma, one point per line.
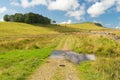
x=106, y=12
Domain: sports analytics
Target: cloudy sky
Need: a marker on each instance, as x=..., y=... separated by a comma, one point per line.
x=106, y=12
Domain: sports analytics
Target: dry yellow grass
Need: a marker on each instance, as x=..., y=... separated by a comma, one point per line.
x=8, y=29
x=86, y=26
x=22, y=29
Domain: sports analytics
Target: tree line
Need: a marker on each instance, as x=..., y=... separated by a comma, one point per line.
x=30, y=18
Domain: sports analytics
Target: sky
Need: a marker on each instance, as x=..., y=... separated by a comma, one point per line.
x=106, y=12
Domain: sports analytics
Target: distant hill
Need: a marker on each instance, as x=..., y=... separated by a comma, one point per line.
x=86, y=25
x=95, y=23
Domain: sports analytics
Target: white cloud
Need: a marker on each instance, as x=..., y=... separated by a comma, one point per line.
x=14, y=3
x=78, y=14
x=118, y=5
x=72, y=8
x=100, y=7
x=118, y=27
x=27, y=3
x=64, y=5
x=1, y=20
x=95, y=21
x=51, y=4
x=66, y=22
x=3, y=9
x=91, y=0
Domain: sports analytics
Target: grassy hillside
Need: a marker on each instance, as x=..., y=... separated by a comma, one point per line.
x=20, y=56
x=18, y=29
x=86, y=26
x=22, y=29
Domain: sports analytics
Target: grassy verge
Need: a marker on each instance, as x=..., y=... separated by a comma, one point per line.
x=106, y=67
x=18, y=64
x=21, y=56
x=101, y=69
x=96, y=44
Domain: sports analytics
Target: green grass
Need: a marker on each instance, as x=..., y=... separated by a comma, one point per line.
x=24, y=47
x=19, y=57
x=96, y=44
x=107, y=52
x=18, y=64
x=101, y=69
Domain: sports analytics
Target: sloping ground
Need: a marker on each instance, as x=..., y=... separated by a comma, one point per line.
x=60, y=69
x=22, y=29
x=86, y=26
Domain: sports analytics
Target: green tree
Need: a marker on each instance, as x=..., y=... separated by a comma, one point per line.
x=30, y=18
x=53, y=21
x=11, y=17
x=18, y=17
x=6, y=18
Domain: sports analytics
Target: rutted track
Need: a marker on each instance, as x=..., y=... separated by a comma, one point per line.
x=57, y=68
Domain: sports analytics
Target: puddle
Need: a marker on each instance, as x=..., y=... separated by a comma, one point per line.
x=72, y=56
x=57, y=54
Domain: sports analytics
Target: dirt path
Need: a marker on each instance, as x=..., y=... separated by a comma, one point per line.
x=57, y=68
x=66, y=43
x=46, y=71
x=67, y=72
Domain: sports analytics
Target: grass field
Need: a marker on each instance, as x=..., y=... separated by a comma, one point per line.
x=25, y=47
x=18, y=64
x=21, y=29
x=97, y=44
x=19, y=58
x=106, y=67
